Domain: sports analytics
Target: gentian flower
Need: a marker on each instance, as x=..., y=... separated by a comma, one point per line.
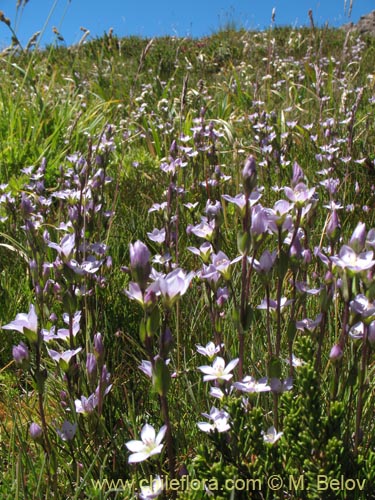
x=279, y=386
x=86, y=405
x=152, y=491
x=249, y=384
x=210, y=350
x=220, y=420
x=218, y=370
x=67, y=431
x=66, y=245
x=157, y=235
x=358, y=238
x=20, y=353
x=309, y=324
x=300, y=195
x=348, y=259
x=140, y=263
x=24, y=321
x=362, y=306
x=35, y=431
x=148, y=446
x=249, y=175
x=271, y=436
x=240, y=199
x=172, y=286
x=336, y=353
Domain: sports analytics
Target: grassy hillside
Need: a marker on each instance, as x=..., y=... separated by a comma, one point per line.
x=258, y=146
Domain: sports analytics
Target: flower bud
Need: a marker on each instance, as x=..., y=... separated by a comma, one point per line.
x=333, y=227
x=358, y=239
x=91, y=366
x=371, y=333
x=35, y=431
x=297, y=174
x=249, y=175
x=336, y=353
x=20, y=353
x=140, y=263
x=98, y=344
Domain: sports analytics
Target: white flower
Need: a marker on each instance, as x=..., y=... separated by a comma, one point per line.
x=216, y=392
x=271, y=436
x=249, y=384
x=220, y=420
x=210, y=350
x=218, y=370
x=149, y=446
x=153, y=490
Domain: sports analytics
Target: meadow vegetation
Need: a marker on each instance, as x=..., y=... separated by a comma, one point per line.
x=187, y=260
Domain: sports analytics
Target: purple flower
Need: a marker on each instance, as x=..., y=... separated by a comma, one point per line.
x=204, y=251
x=140, y=263
x=20, y=353
x=358, y=238
x=362, y=306
x=309, y=324
x=222, y=296
x=64, y=358
x=348, y=259
x=240, y=199
x=35, y=431
x=259, y=222
x=249, y=175
x=266, y=262
x=271, y=436
x=66, y=245
x=91, y=365
x=86, y=405
x=297, y=174
x=279, y=386
x=67, y=431
x=300, y=195
x=336, y=353
x=172, y=286
x=213, y=209
x=98, y=344
x=24, y=321
x=204, y=229
x=157, y=235
x=333, y=227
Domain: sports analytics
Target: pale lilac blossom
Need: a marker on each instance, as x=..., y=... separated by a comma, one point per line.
x=154, y=490
x=251, y=385
x=220, y=421
x=271, y=436
x=218, y=370
x=67, y=431
x=148, y=446
x=23, y=320
x=209, y=350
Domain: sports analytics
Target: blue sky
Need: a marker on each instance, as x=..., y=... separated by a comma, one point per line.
x=148, y=18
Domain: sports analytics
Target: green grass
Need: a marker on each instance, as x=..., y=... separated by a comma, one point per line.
x=57, y=101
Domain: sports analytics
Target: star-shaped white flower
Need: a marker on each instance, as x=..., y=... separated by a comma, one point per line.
x=218, y=370
x=271, y=436
x=153, y=490
x=149, y=446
